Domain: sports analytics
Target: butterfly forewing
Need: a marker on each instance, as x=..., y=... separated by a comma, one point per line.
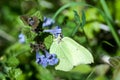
x=80, y=55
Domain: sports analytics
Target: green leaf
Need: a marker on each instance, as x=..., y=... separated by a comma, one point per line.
x=48, y=41
x=45, y=74
x=83, y=19
x=17, y=72
x=38, y=15
x=83, y=68
x=30, y=35
x=2, y=76
x=101, y=69
x=116, y=73
x=12, y=62
x=17, y=49
x=100, y=78
x=78, y=22
x=77, y=18
x=14, y=73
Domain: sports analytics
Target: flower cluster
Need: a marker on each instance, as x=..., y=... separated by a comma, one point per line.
x=49, y=22
x=38, y=27
x=47, y=59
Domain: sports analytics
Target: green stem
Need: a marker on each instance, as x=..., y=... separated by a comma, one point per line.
x=66, y=6
x=75, y=30
x=108, y=19
x=105, y=15
x=6, y=36
x=90, y=74
x=106, y=10
x=86, y=37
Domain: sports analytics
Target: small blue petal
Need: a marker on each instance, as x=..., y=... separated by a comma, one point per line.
x=52, y=61
x=41, y=59
x=38, y=58
x=55, y=31
x=37, y=55
x=56, y=61
x=21, y=38
x=48, y=22
x=44, y=62
x=48, y=55
x=51, y=58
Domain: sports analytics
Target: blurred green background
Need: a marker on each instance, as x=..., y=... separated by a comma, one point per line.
x=101, y=36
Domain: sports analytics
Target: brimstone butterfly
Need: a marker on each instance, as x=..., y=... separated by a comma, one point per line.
x=69, y=53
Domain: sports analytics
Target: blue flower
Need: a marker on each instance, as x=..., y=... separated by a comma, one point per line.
x=55, y=31
x=47, y=22
x=47, y=59
x=51, y=58
x=41, y=59
x=21, y=38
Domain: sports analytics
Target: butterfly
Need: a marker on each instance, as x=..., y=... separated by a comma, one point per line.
x=69, y=53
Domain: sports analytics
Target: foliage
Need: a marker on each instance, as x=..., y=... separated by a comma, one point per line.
x=94, y=24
